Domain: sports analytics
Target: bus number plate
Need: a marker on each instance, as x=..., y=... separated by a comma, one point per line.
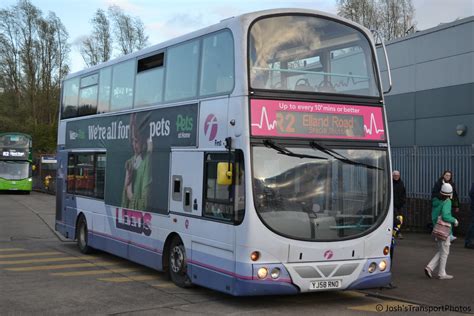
x=324, y=285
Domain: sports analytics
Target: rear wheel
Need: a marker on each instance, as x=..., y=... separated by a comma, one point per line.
x=82, y=235
x=177, y=264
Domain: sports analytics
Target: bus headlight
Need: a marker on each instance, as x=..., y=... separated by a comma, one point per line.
x=30, y=179
x=262, y=273
x=372, y=267
x=275, y=273
x=382, y=265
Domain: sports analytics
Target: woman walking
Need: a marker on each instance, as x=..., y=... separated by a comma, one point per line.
x=441, y=207
x=447, y=177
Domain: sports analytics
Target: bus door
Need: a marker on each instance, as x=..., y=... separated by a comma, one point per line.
x=213, y=243
x=60, y=184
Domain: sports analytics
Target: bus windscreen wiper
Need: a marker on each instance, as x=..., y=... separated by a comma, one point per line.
x=285, y=151
x=340, y=157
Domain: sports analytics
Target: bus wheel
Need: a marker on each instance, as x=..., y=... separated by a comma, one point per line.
x=177, y=264
x=81, y=235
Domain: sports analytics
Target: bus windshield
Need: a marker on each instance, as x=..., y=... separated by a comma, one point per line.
x=14, y=141
x=320, y=194
x=310, y=54
x=14, y=170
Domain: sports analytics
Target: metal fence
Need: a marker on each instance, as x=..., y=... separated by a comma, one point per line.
x=420, y=167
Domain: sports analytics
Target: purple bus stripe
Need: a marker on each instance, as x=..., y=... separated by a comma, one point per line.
x=219, y=270
x=127, y=241
x=243, y=277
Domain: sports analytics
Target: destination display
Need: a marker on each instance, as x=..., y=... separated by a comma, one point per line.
x=13, y=154
x=276, y=118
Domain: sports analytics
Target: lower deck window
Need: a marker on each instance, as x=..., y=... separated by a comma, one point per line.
x=86, y=174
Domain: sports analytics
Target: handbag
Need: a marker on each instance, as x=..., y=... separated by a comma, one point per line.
x=441, y=230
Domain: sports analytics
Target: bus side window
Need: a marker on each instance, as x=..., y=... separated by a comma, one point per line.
x=71, y=179
x=182, y=68
x=86, y=174
x=217, y=64
x=70, y=98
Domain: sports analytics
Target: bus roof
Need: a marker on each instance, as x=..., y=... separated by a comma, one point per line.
x=233, y=23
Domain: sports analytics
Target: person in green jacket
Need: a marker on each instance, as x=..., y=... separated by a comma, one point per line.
x=441, y=207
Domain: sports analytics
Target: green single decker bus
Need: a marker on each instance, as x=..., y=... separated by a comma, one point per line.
x=15, y=162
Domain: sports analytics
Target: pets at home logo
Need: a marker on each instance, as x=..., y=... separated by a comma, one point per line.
x=79, y=135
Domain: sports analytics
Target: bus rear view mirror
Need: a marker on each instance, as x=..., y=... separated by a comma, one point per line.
x=224, y=173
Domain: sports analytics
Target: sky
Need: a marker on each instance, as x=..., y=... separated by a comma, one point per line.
x=165, y=19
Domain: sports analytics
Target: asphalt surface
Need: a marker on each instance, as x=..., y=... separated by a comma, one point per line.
x=412, y=254
x=27, y=233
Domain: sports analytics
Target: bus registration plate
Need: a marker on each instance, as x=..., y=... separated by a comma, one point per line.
x=324, y=285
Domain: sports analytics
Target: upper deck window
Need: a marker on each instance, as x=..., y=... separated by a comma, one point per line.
x=122, y=85
x=149, y=81
x=217, y=64
x=88, y=95
x=310, y=54
x=70, y=100
x=182, y=71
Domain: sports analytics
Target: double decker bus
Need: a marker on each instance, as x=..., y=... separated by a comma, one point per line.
x=250, y=157
x=15, y=162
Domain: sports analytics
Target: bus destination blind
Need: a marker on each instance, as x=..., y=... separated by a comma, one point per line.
x=276, y=118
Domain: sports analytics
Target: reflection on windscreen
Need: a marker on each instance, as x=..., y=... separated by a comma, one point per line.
x=11, y=170
x=14, y=141
x=319, y=199
x=305, y=53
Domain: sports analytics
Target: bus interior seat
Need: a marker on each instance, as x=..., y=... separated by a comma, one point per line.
x=303, y=85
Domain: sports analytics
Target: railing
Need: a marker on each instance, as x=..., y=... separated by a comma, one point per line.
x=421, y=167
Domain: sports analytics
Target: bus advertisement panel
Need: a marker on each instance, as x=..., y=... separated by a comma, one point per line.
x=138, y=154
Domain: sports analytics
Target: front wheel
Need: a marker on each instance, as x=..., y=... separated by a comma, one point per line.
x=82, y=236
x=177, y=264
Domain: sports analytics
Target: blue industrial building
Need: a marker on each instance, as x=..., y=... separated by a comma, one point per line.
x=430, y=113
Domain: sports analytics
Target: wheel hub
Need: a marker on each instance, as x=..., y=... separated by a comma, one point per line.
x=82, y=236
x=177, y=259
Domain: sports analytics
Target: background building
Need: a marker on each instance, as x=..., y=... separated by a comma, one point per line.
x=431, y=113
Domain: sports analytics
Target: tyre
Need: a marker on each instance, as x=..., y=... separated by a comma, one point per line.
x=177, y=264
x=82, y=236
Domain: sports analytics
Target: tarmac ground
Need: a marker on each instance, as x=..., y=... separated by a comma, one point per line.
x=411, y=255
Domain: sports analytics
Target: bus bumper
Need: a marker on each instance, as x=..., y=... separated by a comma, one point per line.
x=16, y=185
x=372, y=281
x=256, y=287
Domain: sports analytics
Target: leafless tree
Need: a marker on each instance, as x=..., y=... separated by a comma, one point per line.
x=392, y=18
x=129, y=31
x=97, y=47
